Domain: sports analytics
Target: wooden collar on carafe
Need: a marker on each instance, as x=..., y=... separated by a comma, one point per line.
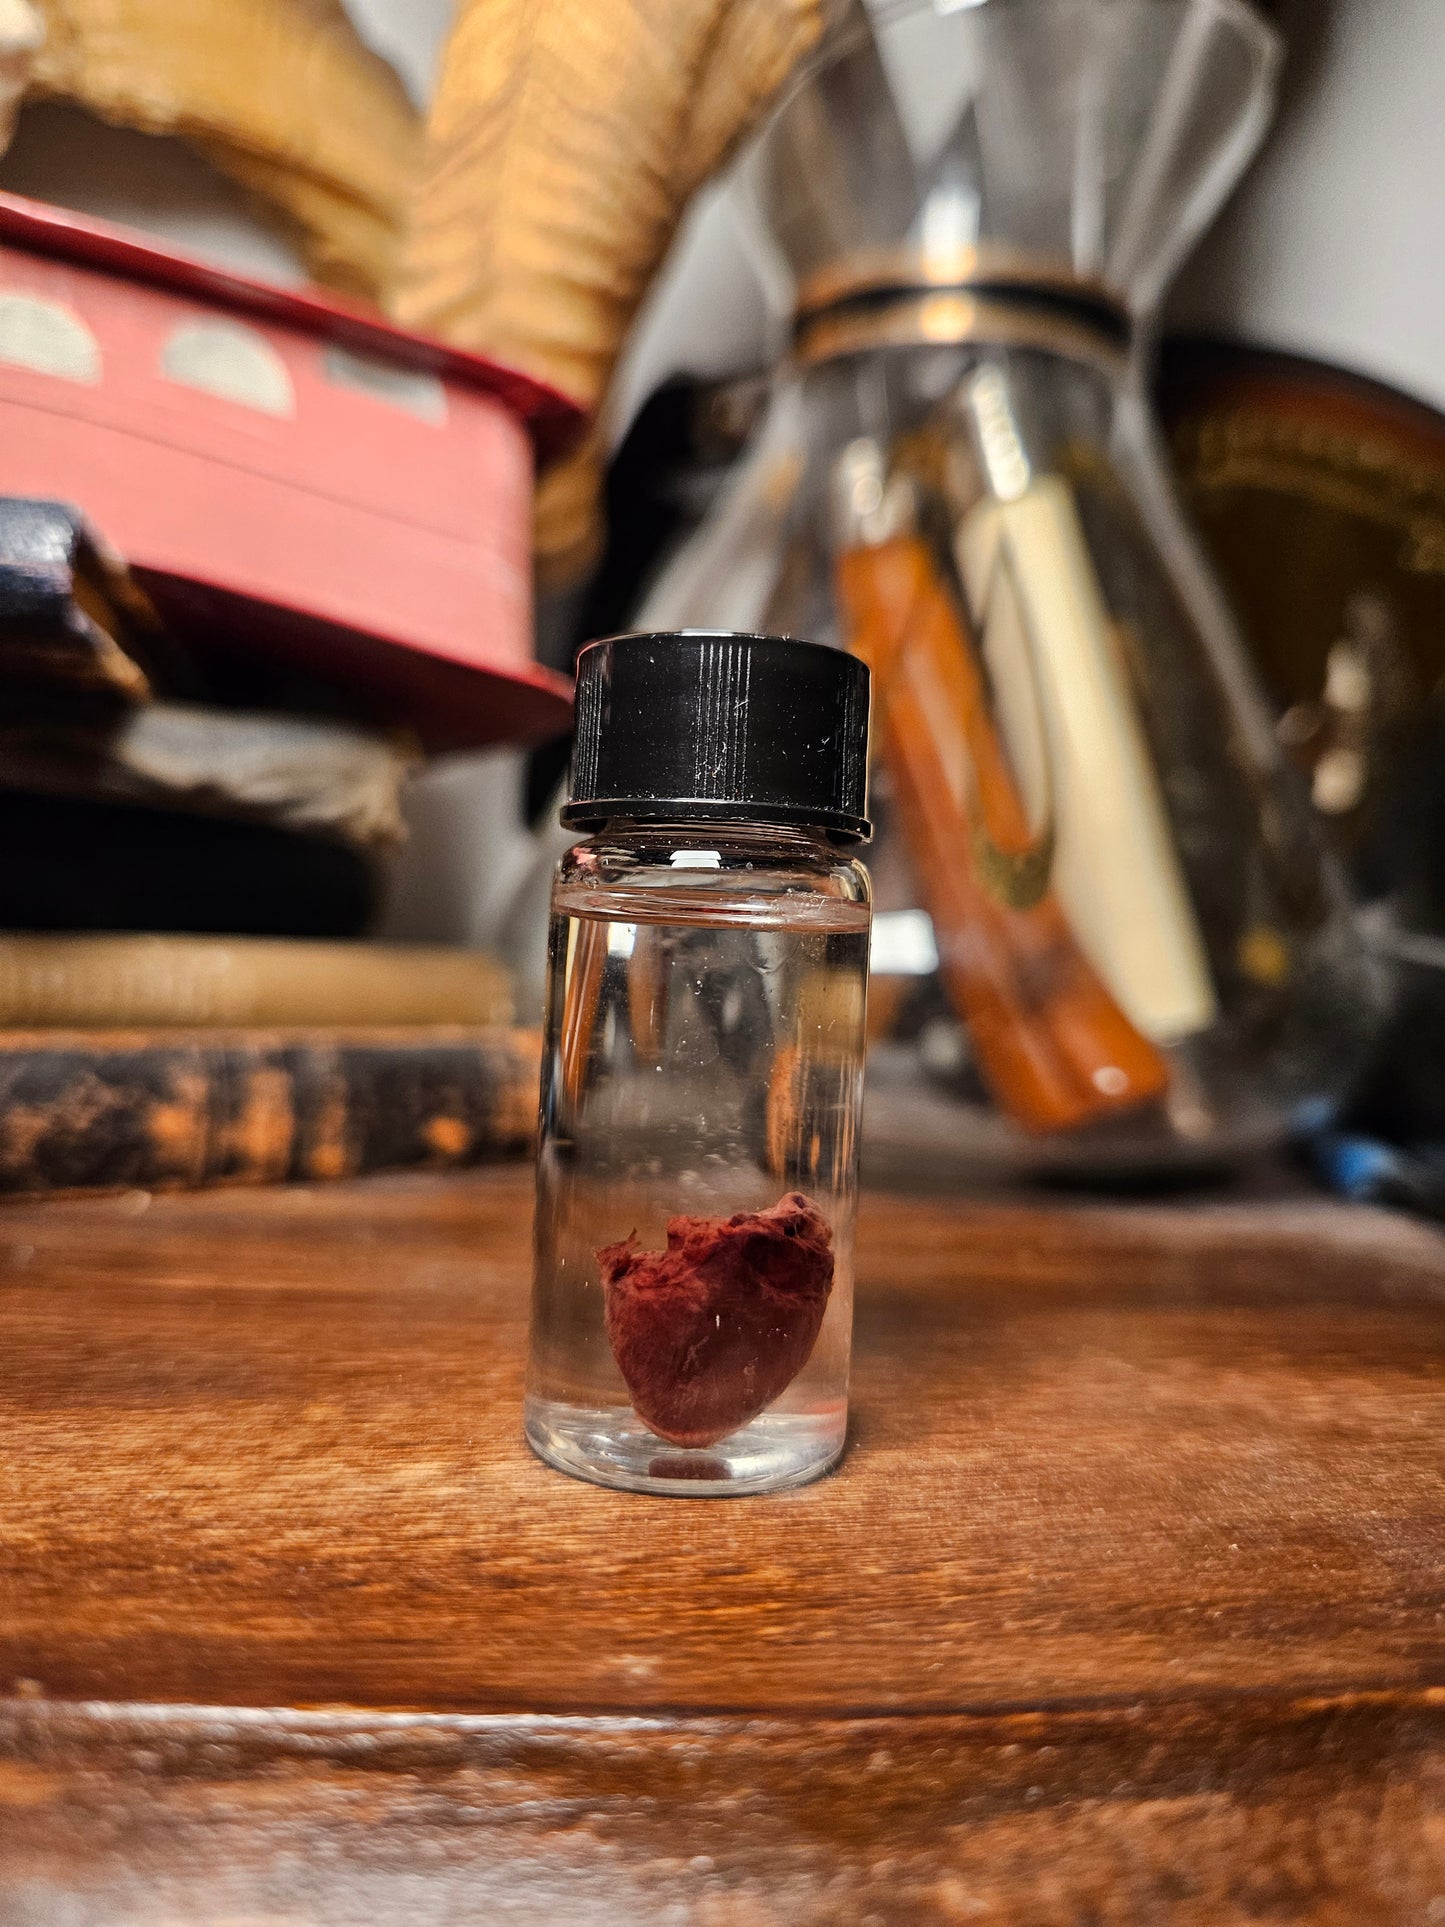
x=906, y=298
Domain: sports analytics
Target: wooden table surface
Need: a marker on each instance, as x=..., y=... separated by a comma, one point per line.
x=1126, y=1604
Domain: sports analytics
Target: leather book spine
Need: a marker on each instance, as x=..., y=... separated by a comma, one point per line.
x=96, y=1110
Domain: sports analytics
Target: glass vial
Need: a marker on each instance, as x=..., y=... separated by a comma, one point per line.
x=702, y=1078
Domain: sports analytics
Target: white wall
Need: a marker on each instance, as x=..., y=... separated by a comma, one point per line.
x=1335, y=245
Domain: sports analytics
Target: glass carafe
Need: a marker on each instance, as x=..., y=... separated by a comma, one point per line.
x=1108, y=941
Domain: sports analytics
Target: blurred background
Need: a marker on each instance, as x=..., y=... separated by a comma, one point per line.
x=358, y=363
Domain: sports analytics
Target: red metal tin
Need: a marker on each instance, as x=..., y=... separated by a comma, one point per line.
x=287, y=475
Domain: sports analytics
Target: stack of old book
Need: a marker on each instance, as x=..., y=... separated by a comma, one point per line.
x=186, y=992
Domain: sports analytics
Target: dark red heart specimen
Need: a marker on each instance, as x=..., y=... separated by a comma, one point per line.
x=709, y=1332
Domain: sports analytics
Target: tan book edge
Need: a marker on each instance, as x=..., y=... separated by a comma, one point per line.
x=159, y=982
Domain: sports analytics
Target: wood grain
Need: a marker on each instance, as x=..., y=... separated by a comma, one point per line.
x=1328, y=1813
x=1126, y=1603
